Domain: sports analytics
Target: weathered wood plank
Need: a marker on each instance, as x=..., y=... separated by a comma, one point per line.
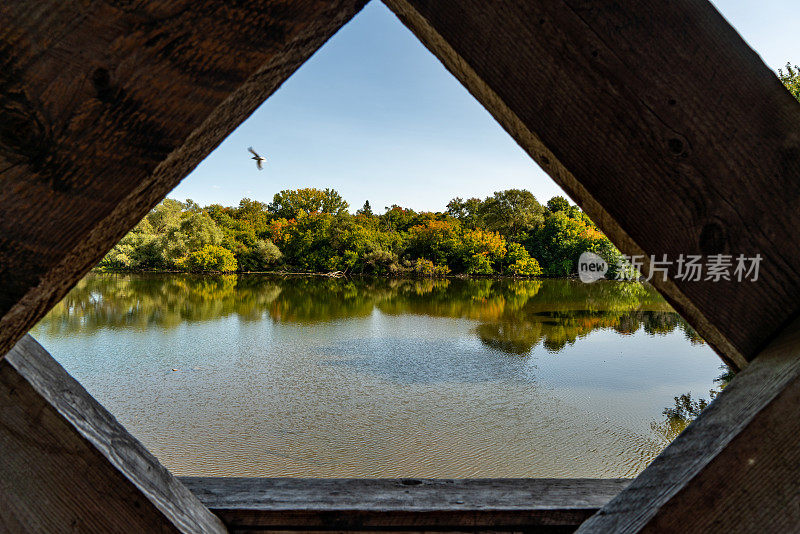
x=660, y=121
x=105, y=106
x=543, y=505
x=735, y=469
x=68, y=466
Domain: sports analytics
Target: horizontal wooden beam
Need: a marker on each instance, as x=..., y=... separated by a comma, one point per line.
x=68, y=466
x=106, y=106
x=532, y=505
x=657, y=119
x=735, y=469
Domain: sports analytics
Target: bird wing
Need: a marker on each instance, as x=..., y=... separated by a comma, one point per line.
x=258, y=164
x=253, y=152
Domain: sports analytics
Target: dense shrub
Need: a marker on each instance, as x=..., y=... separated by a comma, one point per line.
x=427, y=268
x=211, y=258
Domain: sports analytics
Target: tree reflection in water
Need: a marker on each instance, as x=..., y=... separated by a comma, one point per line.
x=511, y=316
x=514, y=315
x=686, y=409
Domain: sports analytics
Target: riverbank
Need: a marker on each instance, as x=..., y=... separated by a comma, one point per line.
x=342, y=274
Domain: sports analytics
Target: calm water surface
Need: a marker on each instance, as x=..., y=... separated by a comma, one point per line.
x=317, y=377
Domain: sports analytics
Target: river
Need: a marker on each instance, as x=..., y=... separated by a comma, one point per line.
x=314, y=377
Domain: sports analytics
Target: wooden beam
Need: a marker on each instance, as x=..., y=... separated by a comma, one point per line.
x=735, y=469
x=659, y=120
x=105, y=106
x=68, y=466
x=530, y=505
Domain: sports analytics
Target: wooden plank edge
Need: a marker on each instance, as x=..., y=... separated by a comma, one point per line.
x=397, y=504
x=114, y=456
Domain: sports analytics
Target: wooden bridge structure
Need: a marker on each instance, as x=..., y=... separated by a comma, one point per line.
x=654, y=116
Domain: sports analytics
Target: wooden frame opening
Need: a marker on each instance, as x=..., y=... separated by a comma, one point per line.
x=655, y=117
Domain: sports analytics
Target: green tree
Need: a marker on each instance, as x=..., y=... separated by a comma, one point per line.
x=133, y=251
x=479, y=252
x=311, y=230
x=557, y=204
x=262, y=256
x=366, y=210
x=791, y=79
x=192, y=232
x=467, y=212
x=165, y=216
x=437, y=241
x=398, y=219
x=210, y=258
x=519, y=262
x=513, y=213
x=254, y=213
x=560, y=241
x=289, y=203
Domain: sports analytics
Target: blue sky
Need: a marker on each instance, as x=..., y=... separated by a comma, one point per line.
x=375, y=116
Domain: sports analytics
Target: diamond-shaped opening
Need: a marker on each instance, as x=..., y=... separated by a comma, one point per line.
x=321, y=377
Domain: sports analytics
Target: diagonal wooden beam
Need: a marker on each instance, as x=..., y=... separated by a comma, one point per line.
x=105, y=106
x=735, y=469
x=660, y=122
x=68, y=466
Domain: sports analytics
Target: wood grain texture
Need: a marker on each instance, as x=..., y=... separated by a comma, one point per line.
x=534, y=505
x=660, y=122
x=105, y=106
x=735, y=469
x=68, y=466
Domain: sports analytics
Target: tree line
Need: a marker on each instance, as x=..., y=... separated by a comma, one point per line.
x=511, y=315
x=311, y=230
x=508, y=233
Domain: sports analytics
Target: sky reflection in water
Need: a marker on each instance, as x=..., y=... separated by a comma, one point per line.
x=377, y=377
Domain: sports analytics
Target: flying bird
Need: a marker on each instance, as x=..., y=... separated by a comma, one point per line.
x=259, y=159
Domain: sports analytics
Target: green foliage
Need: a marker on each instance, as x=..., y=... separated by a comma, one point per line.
x=398, y=219
x=791, y=79
x=481, y=252
x=381, y=262
x=289, y=203
x=467, y=212
x=427, y=268
x=520, y=262
x=436, y=240
x=210, y=258
x=557, y=204
x=252, y=215
x=262, y=256
x=563, y=237
x=513, y=213
x=170, y=231
x=310, y=230
x=365, y=210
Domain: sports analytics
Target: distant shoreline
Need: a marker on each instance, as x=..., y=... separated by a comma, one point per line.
x=339, y=274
